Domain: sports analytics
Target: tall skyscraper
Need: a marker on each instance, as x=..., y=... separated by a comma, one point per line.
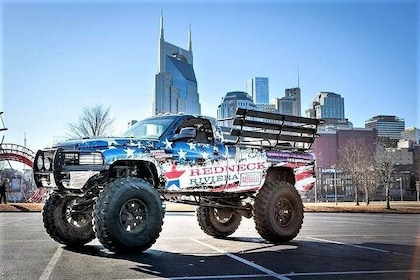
x=290, y=104
x=175, y=83
x=257, y=88
x=327, y=105
x=387, y=126
x=232, y=101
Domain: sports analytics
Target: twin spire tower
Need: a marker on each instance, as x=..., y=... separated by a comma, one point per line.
x=175, y=83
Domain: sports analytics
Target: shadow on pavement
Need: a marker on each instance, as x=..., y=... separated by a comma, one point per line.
x=370, y=259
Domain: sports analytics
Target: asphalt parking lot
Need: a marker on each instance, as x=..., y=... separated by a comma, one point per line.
x=329, y=246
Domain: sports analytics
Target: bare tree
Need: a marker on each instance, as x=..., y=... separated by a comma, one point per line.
x=93, y=122
x=384, y=167
x=357, y=161
x=369, y=181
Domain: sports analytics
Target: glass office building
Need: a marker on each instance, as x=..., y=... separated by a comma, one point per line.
x=387, y=126
x=257, y=88
x=327, y=105
x=175, y=83
x=290, y=104
x=412, y=134
x=233, y=100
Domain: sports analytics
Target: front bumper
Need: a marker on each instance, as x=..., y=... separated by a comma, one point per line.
x=62, y=169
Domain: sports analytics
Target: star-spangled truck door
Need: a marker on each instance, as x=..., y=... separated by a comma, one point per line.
x=199, y=162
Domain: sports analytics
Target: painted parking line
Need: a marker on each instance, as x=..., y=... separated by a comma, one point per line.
x=50, y=267
x=12, y=221
x=267, y=271
x=358, y=246
x=348, y=244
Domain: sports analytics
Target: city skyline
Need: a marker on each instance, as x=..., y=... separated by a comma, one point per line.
x=68, y=55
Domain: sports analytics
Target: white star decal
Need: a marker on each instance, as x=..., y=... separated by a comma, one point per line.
x=129, y=152
x=182, y=154
x=205, y=155
x=192, y=146
x=168, y=144
x=112, y=142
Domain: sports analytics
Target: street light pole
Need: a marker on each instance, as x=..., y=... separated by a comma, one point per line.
x=335, y=185
x=401, y=192
x=319, y=175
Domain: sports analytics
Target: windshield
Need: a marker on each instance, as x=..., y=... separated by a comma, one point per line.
x=152, y=128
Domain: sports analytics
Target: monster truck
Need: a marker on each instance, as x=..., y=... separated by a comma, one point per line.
x=116, y=188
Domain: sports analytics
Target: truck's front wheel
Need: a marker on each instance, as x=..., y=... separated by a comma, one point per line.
x=128, y=215
x=278, y=211
x=218, y=222
x=66, y=225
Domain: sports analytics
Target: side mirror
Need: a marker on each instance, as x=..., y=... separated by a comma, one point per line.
x=185, y=133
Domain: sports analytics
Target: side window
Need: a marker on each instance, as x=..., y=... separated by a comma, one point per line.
x=204, y=132
x=201, y=136
x=203, y=127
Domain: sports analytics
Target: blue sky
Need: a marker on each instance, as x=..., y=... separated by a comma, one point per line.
x=58, y=57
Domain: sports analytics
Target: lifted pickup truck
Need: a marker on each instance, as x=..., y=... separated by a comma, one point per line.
x=115, y=188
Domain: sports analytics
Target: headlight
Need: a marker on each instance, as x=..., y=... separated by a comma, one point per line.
x=71, y=158
x=47, y=163
x=89, y=159
x=40, y=163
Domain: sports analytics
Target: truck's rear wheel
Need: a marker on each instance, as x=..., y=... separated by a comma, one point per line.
x=218, y=222
x=64, y=225
x=278, y=212
x=128, y=215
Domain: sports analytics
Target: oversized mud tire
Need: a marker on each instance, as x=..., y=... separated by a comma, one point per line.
x=218, y=222
x=65, y=226
x=128, y=215
x=278, y=212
